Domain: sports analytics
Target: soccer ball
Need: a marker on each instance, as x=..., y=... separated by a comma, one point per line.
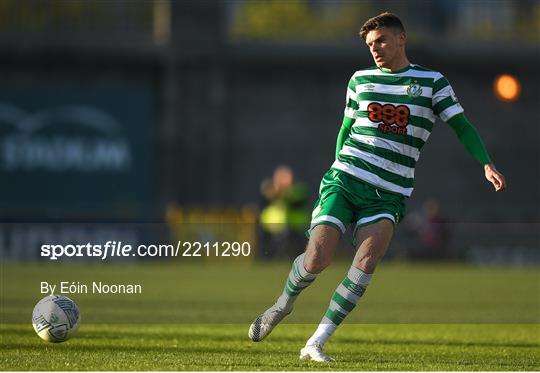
x=56, y=318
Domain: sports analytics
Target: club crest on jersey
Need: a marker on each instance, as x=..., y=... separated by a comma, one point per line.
x=414, y=90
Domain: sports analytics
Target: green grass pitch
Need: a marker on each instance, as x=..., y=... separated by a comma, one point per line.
x=196, y=316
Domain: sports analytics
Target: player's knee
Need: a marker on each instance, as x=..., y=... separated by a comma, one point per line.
x=367, y=263
x=317, y=257
x=321, y=247
x=315, y=264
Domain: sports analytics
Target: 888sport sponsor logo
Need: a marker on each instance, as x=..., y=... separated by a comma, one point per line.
x=391, y=118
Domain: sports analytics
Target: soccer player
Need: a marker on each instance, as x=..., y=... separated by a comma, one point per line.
x=389, y=113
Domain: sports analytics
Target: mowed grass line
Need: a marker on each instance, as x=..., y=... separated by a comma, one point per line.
x=408, y=347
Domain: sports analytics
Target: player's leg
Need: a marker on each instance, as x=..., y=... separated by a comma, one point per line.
x=321, y=248
x=373, y=241
x=331, y=214
x=318, y=255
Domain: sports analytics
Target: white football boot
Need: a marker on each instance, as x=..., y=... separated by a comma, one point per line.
x=314, y=352
x=264, y=323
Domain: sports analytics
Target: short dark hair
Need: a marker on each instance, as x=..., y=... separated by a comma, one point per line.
x=385, y=19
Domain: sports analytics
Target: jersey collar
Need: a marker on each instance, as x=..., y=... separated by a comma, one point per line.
x=388, y=71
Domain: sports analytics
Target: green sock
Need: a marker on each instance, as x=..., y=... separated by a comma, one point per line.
x=298, y=280
x=343, y=301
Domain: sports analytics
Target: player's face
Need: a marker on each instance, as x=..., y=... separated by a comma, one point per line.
x=385, y=45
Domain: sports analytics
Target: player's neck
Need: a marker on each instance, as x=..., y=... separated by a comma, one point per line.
x=398, y=65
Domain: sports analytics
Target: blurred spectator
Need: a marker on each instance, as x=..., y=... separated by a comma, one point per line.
x=284, y=216
x=430, y=233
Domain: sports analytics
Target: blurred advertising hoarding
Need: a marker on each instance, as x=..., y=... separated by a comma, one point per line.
x=70, y=149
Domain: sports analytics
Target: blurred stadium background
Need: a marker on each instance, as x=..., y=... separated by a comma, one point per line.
x=179, y=111
x=159, y=120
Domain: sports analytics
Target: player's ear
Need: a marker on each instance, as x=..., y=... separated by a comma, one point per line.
x=402, y=38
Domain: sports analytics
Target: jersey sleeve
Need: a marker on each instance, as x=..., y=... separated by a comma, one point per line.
x=469, y=137
x=445, y=103
x=351, y=104
x=343, y=134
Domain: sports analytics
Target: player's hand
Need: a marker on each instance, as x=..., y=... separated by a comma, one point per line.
x=495, y=177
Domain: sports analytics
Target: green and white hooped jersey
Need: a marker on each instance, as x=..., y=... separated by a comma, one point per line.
x=394, y=113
